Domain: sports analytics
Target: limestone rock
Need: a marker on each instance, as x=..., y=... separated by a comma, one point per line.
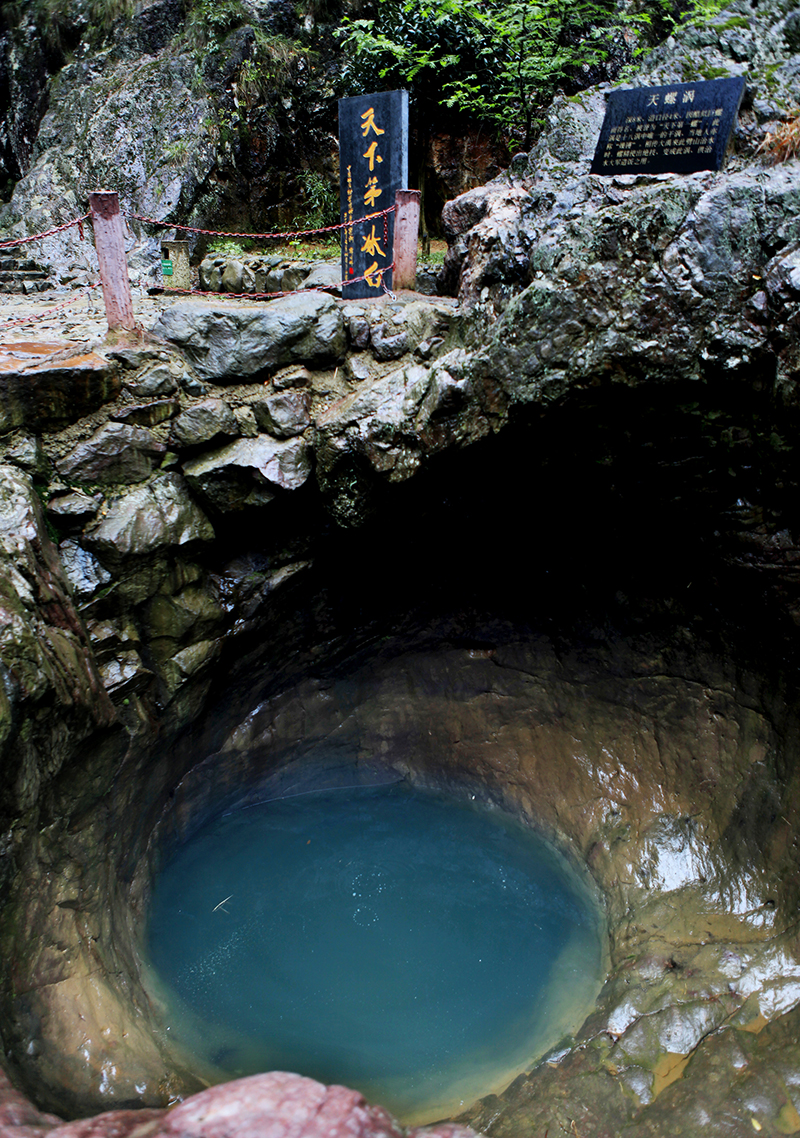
x=276, y=1104
x=27, y=453
x=203, y=422
x=172, y=622
x=396, y=420
x=293, y=375
x=298, y=1106
x=189, y=662
x=46, y=386
x=285, y=278
x=132, y=123
x=157, y=516
x=248, y=472
x=357, y=368
x=137, y=357
x=83, y=570
x=75, y=508
x=159, y=379
x=210, y=272
x=148, y=414
x=389, y=343
x=17, y=1113
x=569, y=277
x=232, y=276
x=358, y=330
x=117, y=650
x=325, y=276
x=226, y=345
x=442, y=1130
x=246, y=422
x=124, y=674
x=110, y=638
x=427, y=281
x=116, y=453
x=284, y=414
x=49, y=681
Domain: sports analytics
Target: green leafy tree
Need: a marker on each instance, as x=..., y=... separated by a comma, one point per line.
x=498, y=61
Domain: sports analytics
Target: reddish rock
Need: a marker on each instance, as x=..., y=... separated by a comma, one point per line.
x=278, y=1105
x=111, y=1124
x=18, y=1117
x=47, y=385
x=275, y=1105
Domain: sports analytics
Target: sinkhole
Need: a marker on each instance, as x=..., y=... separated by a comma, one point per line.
x=601, y=663
x=417, y=946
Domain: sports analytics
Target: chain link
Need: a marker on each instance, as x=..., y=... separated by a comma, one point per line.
x=210, y=233
x=264, y=236
x=48, y=311
x=40, y=236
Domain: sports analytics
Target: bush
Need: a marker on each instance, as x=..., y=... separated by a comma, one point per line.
x=497, y=60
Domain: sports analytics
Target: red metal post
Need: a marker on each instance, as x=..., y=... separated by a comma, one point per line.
x=109, y=241
x=406, y=234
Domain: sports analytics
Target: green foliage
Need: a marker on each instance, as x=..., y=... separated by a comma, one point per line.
x=228, y=247
x=322, y=201
x=432, y=257
x=103, y=14
x=699, y=12
x=708, y=72
x=500, y=61
x=496, y=60
x=309, y=249
x=56, y=22
x=176, y=153
x=209, y=21
x=271, y=68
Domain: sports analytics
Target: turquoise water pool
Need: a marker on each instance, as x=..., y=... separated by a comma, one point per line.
x=420, y=948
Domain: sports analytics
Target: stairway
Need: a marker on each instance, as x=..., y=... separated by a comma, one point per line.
x=20, y=274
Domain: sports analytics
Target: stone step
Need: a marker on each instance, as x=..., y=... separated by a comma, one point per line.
x=21, y=274
x=12, y=264
x=24, y=275
x=25, y=287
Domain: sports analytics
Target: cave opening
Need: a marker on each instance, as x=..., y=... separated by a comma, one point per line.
x=577, y=621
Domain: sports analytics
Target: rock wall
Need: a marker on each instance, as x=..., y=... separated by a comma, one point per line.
x=543, y=541
x=177, y=112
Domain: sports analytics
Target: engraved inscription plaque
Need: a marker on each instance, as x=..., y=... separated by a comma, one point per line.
x=676, y=129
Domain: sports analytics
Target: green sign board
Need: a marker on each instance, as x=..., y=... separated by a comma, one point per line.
x=166, y=268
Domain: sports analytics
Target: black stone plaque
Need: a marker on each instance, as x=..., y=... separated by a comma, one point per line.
x=373, y=166
x=668, y=130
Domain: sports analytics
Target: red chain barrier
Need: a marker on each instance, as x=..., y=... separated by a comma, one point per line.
x=262, y=236
x=39, y=236
x=48, y=311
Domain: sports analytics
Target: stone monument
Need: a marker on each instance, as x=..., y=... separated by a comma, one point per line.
x=373, y=166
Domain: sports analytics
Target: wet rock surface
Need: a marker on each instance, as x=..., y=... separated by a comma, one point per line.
x=567, y=576
x=52, y=385
x=227, y=345
x=278, y=1104
x=160, y=515
x=116, y=453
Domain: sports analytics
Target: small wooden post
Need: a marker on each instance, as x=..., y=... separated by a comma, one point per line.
x=109, y=241
x=406, y=233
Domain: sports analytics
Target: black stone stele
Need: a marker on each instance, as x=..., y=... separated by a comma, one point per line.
x=373, y=166
x=668, y=130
